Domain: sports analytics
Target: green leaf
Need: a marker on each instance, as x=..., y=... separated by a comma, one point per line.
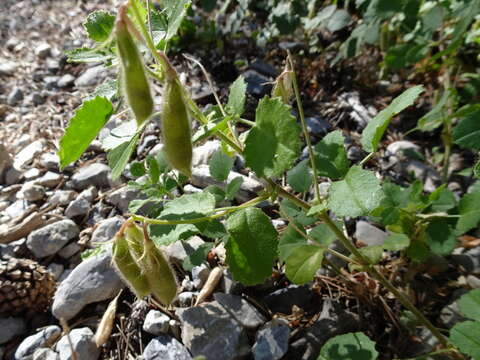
x=467, y=132
x=338, y=20
x=220, y=165
x=236, y=99
x=296, y=213
x=376, y=127
x=83, y=128
x=358, y=194
x=175, y=11
x=442, y=200
x=396, y=242
x=465, y=336
x=372, y=253
x=469, y=304
x=349, y=346
x=435, y=117
x=323, y=234
x=108, y=89
x=233, y=187
x=330, y=156
x=197, y=204
x=251, y=246
x=300, y=178
x=469, y=211
x=118, y=157
x=153, y=169
x=440, y=237
x=137, y=169
x=197, y=257
x=302, y=260
x=273, y=144
x=88, y=55
x=99, y=25
x=122, y=133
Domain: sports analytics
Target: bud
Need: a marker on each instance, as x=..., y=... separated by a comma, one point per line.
x=176, y=127
x=135, y=83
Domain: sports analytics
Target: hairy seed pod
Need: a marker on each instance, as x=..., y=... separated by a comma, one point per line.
x=176, y=128
x=127, y=266
x=156, y=268
x=283, y=86
x=133, y=76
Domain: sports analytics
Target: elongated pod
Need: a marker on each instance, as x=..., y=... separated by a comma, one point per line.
x=127, y=266
x=176, y=128
x=135, y=83
x=154, y=265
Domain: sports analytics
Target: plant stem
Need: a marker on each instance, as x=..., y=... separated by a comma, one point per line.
x=304, y=126
x=402, y=298
x=223, y=212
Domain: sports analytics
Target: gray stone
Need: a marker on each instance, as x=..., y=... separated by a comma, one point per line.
x=50, y=179
x=186, y=298
x=50, y=161
x=6, y=162
x=106, y=230
x=209, y=330
x=400, y=146
x=369, y=234
x=473, y=282
x=201, y=178
x=272, y=341
x=12, y=176
x=358, y=112
x=165, y=347
x=469, y=260
x=421, y=171
x=45, y=354
x=91, y=76
x=69, y=250
x=334, y=320
x=7, y=67
x=32, y=192
x=82, y=343
x=11, y=327
x=51, y=238
x=62, y=197
x=16, y=209
x=28, y=154
x=242, y=311
x=37, y=99
x=180, y=250
x=91, y=281
x=31, y=174
x=156, y=322
x=317, y=126
x=282, y=300
x=44, y=338
x=202, y=154
x=51, y=82
x=451, y=315
x=121, y=198
x=199, y=275
x=66, y=80
x=257, y=84
x=15, y=96
x=55, y=269
x=43, y=50
x=78, y=207
x=94, y=174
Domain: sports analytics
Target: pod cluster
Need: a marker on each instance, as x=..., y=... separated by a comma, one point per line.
x=142, y=264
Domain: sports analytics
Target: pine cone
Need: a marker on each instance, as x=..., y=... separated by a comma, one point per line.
x=25, y=285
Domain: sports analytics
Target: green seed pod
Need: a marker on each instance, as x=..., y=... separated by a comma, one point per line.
x=127, y=266
x=176, y=128
x=133, y=76
x=153, y=264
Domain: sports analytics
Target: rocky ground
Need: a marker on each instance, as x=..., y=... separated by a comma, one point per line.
x=53, y=217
